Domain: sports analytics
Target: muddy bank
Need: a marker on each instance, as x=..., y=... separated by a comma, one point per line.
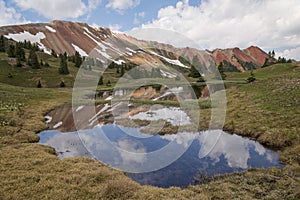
x=152, y=119
x=157, y=92
x=62, y=118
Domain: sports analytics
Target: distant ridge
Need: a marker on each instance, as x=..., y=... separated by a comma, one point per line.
x=66, y=36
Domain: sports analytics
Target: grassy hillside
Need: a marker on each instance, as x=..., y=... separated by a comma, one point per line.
x=27, y=77
x=267, y=110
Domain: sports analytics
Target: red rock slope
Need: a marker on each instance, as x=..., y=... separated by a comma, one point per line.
x=65, y=36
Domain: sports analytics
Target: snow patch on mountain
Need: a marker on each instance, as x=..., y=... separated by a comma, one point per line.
x=50, y=29
x=104, y=54
x=80, y=51
x=87, y=30
x=119, y=62
x=42, y=47
x=174, y=62
x=21, y=37
x=132, y=51
x=113, y=48
x=103, y=47
x=36, y=39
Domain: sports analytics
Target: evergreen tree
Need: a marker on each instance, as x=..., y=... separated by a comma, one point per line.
x=100, y=82
x=11, y=51
x=27, y=45
x=20, y=54
x=19, y=63
x=108, y=83
x=39, y=85
x=33, y=59
x=2, y=44
x=77, y=59
x=273, y=54
x=221, y=71
x=53, y=53
x=63, y=69
x=283, y=60
x=62, y=84
x=122, y=71
x=251, y=78
x=35, y=47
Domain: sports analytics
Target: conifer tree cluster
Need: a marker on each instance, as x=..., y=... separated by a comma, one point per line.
x=16, y=50
x=63, y=68
x=33, y=60
x=221, y=71
x=2, y=43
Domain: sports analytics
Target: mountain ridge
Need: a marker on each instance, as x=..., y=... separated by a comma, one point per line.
x=66, y=36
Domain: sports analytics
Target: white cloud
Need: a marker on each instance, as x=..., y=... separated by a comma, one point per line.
x=58, y=9
x=122, y=5
x=229, y=23
x=137, y=16
x=9, y=15
x=293, y=53
x=93, y=4
x=115, y=27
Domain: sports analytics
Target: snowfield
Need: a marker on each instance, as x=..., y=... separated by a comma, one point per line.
x=174, y=62
x=80, y=51
x=21, y=37
x=50, y=29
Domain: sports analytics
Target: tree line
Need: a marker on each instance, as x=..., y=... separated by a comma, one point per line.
x=17, y=50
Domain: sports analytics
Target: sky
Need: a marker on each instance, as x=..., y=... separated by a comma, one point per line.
x=269, y=24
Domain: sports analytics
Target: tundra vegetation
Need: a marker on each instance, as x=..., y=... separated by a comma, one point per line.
x=266, y=109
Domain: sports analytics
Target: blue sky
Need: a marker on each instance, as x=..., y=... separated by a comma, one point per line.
x=269, y=24
x=125, y=18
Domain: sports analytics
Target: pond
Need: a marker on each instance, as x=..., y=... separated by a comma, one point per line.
x=164, y=161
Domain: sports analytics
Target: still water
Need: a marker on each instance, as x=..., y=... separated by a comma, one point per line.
x=164, y=161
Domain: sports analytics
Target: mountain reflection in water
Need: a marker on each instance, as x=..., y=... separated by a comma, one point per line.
x=164, y=161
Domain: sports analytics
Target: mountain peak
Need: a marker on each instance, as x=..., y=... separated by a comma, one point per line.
x=67, y=36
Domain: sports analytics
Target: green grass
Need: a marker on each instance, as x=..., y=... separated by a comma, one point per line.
x=264, y=73
x=22, y=110
x=27, y=77
x=267, y=109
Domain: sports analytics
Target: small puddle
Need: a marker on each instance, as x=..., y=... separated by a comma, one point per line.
x=213, y=152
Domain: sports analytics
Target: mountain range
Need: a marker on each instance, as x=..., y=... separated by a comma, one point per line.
x=65, y=36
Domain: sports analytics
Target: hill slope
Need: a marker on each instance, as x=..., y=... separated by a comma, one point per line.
x=65, y=36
